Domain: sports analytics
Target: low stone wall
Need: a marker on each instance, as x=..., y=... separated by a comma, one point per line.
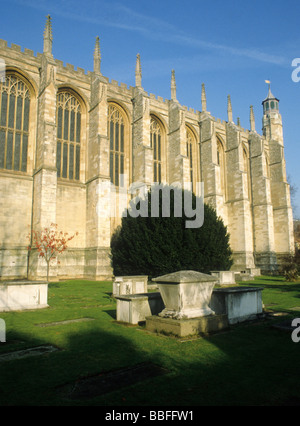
x=22, y=295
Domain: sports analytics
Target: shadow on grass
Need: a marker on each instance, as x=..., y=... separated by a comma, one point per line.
x=112, y=313
x=251, y=364
x=54, y=378
x=103, y=363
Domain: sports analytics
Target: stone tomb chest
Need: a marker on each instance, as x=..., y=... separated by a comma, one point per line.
x=224, y=277
x=238, y=303
x=21, y=295
x=134, y=308
x=186, y=294
x=133, y=284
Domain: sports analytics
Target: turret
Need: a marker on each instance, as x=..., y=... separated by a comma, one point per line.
x=272, y=122
x=270, y=104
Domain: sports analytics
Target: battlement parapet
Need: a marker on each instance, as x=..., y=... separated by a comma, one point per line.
x=17, y=48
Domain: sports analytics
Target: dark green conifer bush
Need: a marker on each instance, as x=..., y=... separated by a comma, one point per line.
x=155, y=246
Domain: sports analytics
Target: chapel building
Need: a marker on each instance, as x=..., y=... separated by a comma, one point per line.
x=66, y=135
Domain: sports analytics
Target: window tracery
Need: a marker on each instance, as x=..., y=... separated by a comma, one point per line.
x=68, y=136
x=14, y=123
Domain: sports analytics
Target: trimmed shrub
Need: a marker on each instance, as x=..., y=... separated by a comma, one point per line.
x=290, y=267
x=154, y=246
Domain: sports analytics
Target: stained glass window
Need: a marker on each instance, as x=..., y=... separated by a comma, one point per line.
x=116, y=134
x=68, y=136
x=14, y=123
x=221, y=163
x=156, y=145
x=246, y=170
x=190, y=152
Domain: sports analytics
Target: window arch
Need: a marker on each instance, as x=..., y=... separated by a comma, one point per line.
x=156, y=145
x=116, y=137
x=14, y=123
x=68, y=119
x=221, y=164
x=191, y=155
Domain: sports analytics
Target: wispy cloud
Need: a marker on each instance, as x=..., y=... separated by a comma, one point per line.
x=117, y=15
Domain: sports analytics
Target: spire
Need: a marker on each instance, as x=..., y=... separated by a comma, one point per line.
x=252, y=119
x=97, y=56
x=48, y=37
x=203, y=97
x=173, y=86
x=270, y=95
x=238, y=121
x=229, y=109
x=138, y=71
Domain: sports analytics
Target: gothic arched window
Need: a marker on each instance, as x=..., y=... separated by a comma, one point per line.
x=191, y=154
x=68, y=136
x=156, y=145
x=116, y=137
x=221, y=163
x=14, y=123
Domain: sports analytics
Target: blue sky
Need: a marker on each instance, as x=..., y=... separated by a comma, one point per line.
x=231, y=46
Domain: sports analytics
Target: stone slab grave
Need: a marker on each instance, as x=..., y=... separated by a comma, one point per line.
x=134, y=284
x=71, y=321
x=105, y=382
x=25, y=353
x=186, y=296
x=22, y=295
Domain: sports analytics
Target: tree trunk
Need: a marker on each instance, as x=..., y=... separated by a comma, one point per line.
x=48, y=265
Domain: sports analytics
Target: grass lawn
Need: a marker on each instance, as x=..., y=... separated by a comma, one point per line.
x=250, y=364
